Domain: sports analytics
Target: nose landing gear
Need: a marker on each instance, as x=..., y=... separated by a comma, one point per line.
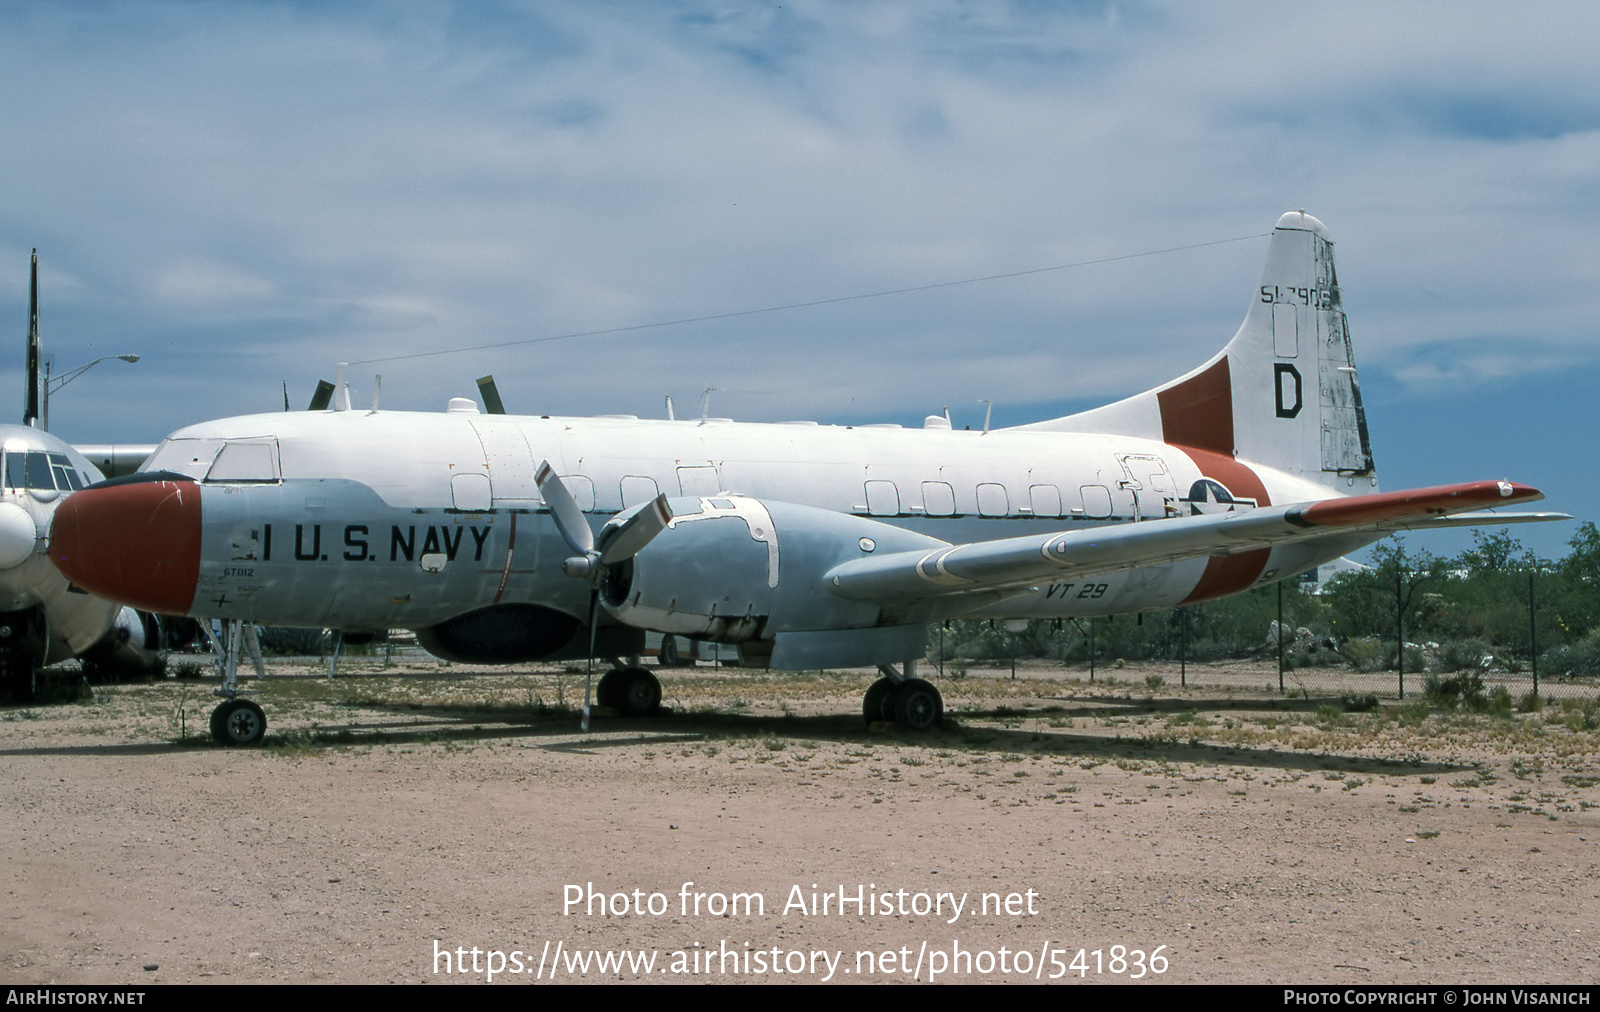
x=235, y=721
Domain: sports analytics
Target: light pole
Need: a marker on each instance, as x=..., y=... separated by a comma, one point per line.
x=57, y=382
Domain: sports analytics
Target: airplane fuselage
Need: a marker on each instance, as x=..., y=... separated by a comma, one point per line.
x=414, y=519
x=42, y=619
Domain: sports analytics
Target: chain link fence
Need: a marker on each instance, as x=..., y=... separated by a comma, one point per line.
x=1408, y=625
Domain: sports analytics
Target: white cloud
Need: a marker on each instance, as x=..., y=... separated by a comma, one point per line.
x=297, y=185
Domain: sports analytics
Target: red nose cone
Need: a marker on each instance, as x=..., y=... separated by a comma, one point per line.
x=135, y=544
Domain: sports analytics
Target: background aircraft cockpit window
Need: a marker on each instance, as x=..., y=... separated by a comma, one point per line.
x=41, y=471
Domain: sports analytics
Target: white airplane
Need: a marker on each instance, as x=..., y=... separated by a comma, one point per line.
x=43, y=619
x=806, y=545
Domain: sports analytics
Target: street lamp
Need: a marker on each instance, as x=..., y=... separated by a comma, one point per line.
x=57, y=382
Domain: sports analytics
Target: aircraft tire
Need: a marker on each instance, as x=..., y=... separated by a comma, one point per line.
x=877, y=704
x=19, y=676
x=609, y=691
x=917, y=705
x=238, y=722
x=639, y=693
x=668, y=656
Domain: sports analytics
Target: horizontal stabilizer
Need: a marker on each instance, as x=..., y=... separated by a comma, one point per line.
x=1481, y=518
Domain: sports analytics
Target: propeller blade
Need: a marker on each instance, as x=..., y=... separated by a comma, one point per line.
x=322, y=397
x=491, y=396
x=564, y=510
x=625, y=540
x=588, y=677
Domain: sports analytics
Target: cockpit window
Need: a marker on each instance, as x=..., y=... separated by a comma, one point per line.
x=192, y=457
x=37, y=469
x=246, y=461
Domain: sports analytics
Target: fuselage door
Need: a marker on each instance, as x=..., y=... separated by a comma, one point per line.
x=1147, y=478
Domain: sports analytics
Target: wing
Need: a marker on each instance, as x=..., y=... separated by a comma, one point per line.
x=1019, y=562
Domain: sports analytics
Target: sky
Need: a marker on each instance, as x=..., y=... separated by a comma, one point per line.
x=245, y=194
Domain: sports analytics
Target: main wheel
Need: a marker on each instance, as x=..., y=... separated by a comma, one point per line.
x=238, y=722
x=18, y=673
x=609, y=691
x=639, y=693
x=876, y=705
x=917, y=705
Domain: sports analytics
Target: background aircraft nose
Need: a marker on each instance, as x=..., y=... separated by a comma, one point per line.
x=136, y=544
x=17, y=535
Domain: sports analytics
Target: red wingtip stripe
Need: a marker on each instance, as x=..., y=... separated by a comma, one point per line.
x=1441, y=500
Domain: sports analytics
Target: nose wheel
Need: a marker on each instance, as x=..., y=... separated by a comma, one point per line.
x=238, y=722
x=235, y=721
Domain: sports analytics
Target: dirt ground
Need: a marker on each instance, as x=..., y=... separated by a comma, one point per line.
x=402, y=818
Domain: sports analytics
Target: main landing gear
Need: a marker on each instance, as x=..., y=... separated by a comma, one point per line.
x=632, y=692
x=899, y=698
x=235, y=721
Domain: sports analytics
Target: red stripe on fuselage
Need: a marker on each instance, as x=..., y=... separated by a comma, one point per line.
x=1197, y=417
x=1199, y=411
x=1229, y=574
x=1238, y=478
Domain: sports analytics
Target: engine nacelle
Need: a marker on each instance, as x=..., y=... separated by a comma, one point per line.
x=514, y=633
x=132, y=648
x=733, y=569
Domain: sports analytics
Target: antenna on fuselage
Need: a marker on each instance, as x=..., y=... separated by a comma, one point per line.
x=341, y=389
x=377, y=388
x=671, y=417
x=988, y=410
x=705, y=402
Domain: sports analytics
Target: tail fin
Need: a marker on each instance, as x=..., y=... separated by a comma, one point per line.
x=1282, y=393
x=31, y=365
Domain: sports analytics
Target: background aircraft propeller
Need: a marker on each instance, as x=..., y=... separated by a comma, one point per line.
x=322, y=397
x=491, y=396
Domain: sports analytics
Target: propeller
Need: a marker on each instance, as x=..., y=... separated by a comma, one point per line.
x=491, y=396
x=322, y=397
x=621, y=539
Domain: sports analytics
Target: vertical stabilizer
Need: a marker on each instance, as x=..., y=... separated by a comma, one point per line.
x=1282, y=393
x=31, y=364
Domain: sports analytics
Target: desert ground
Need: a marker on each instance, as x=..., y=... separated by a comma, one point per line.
x=1129, y=829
